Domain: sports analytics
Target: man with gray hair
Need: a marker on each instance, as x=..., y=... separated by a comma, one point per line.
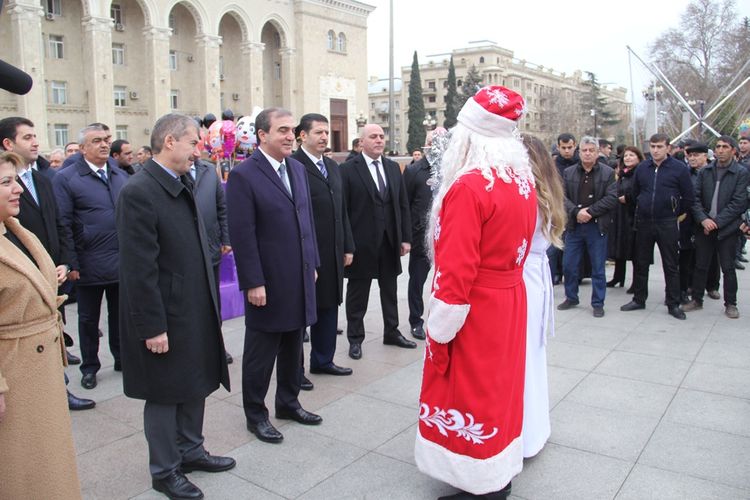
x=86, y=194
x=172, y=349
x=590, y=197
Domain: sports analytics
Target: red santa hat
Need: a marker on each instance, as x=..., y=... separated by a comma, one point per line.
x=493, y=111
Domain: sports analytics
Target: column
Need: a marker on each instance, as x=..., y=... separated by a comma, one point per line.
x=28, y=50
x=252, y=73
x=288, y=79
x=208, y=69
x=157, y=78
x=98, y=74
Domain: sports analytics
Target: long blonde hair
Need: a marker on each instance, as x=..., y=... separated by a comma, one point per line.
x=549, y=190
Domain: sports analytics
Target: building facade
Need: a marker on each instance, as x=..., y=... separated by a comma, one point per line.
x=127, y=62
x=555, y=100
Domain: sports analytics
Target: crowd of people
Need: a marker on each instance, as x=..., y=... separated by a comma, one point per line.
x=498, y=217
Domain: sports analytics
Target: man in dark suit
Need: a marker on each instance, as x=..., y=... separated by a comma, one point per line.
x=212, y=205
x=86, y=194
x=38, y=211
x=172, y=350
x=419, y=193
x=334, y=236
x=375, y=197
x=273, y=238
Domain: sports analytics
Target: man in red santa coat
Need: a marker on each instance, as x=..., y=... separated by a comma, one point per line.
x=482, y=222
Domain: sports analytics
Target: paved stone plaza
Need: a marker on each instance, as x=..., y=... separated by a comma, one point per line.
x=643, y=407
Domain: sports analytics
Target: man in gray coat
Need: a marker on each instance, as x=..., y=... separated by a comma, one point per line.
x=172, y=350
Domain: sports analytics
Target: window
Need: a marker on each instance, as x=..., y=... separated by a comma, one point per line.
x=277, y=71
x=172, y=24
x=118, y=54
x=445, y=84
x=431, y=98
x=459, y=83
x=481, y=60
x=173, y=60
x=331, y=36
x=174, y=99
x=121, y=132
x=54, y=7
x=341, y=43
x=56, y=46
x=115, y=12
x=431, y=84
x=120, y=93
x=59, y=92
x=372, y=105
x=61, y=134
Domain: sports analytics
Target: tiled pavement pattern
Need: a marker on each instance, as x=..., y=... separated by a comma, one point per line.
x=643, y=407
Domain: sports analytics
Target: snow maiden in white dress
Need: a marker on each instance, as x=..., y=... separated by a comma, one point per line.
x=539, y=291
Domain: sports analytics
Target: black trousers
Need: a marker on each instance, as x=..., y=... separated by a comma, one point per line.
x=705, y=247
x=89, y=309
x=419, y=268
x=620, y=270
x=358, y=295
x=687, y=269
x=665, y=234
x=323, y=337
x=262, y=349
x=174, y=433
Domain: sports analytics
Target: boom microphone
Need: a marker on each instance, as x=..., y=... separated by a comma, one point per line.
x=13, y=79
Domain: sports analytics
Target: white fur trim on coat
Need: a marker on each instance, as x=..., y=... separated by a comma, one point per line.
x=477, y=476
x=445, y=320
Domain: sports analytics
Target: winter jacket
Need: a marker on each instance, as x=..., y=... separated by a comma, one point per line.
x=732, y=201
x=662, y=193
x=605, y=195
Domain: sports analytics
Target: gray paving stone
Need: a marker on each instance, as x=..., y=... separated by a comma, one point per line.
x=109, y=384
x=116, y=470
x=401, y=387
x=376, y=477
x=93, y=429
x=224, y=428
x=702, y=453
x=719, y=379
x=401, y=447
x=563, y=473
x=648, y=483
x=221, y=485
x=711, y=411
x=734, y=334
x=300, y=462
x=725, y=354
x=561, y=381
x=668, y=346
x=365, y=371
x=644, y=367
x=127, y=410
x=595, y=335
x=574, y=356
x=623, y=395
x=365, y=421
x=602, y=431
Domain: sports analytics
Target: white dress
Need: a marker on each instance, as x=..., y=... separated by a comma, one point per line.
x=539, y=293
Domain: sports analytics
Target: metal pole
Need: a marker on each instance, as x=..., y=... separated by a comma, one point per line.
x=700, y=121
x=656, y=109
x=632, y=101
x=391, y=104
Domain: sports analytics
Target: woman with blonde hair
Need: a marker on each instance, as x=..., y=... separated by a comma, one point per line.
x=550, y=224
x=36, y=441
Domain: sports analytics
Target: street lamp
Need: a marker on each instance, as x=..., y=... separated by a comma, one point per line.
x=701, y=103
x=593, y=113
x=361, y=120
x=429, y=122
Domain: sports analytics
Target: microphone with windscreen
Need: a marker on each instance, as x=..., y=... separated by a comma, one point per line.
x=13, y=79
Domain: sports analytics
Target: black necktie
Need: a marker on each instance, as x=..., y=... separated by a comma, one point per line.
x=381, y=182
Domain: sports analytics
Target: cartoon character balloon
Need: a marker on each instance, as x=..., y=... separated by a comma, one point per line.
x=744, y=128
x=214, y=141
x=245, y=134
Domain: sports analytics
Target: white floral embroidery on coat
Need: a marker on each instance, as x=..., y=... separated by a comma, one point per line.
x=437, y=229
x=453, y=420
x=521, y=252
x=435, y=284
x=524, y=186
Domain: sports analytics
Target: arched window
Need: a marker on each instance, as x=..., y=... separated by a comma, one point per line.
x=341, y=43
x=481, y=60
x=331, y=36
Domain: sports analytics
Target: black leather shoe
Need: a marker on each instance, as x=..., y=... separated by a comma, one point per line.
x=331, y=369
x=229, y=357
x=299, y=415
x=209, y=463
x=88, y=381
x=339, y=331
x=613, y=283
x=355, y=351
x=632, y=306
x=742, y=259
x=399, y=341
x=68, y=340
x=677, y=312
x=739, y=265
x=495, y=495
x=118, y=366
x=598, y=312
x=418, y=332
x=306, y=385
x=78, y=404
x=630, y=290
x=177, y=487
x=567, y=304
x=72, y=358
x=266, y=432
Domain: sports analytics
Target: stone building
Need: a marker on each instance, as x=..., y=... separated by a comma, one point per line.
x=554, y=99
x=127, y=62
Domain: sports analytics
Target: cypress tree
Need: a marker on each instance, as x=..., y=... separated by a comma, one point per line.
x=416, y=114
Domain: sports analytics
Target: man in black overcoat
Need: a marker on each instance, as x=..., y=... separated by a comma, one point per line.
x=172, y=349
x=273, y=238
x=334, y=235
x=375, y=197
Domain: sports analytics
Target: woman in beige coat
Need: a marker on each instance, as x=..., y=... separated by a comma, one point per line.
x=37, y=458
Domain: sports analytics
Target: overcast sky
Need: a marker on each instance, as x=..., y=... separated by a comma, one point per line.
x=590, y=35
